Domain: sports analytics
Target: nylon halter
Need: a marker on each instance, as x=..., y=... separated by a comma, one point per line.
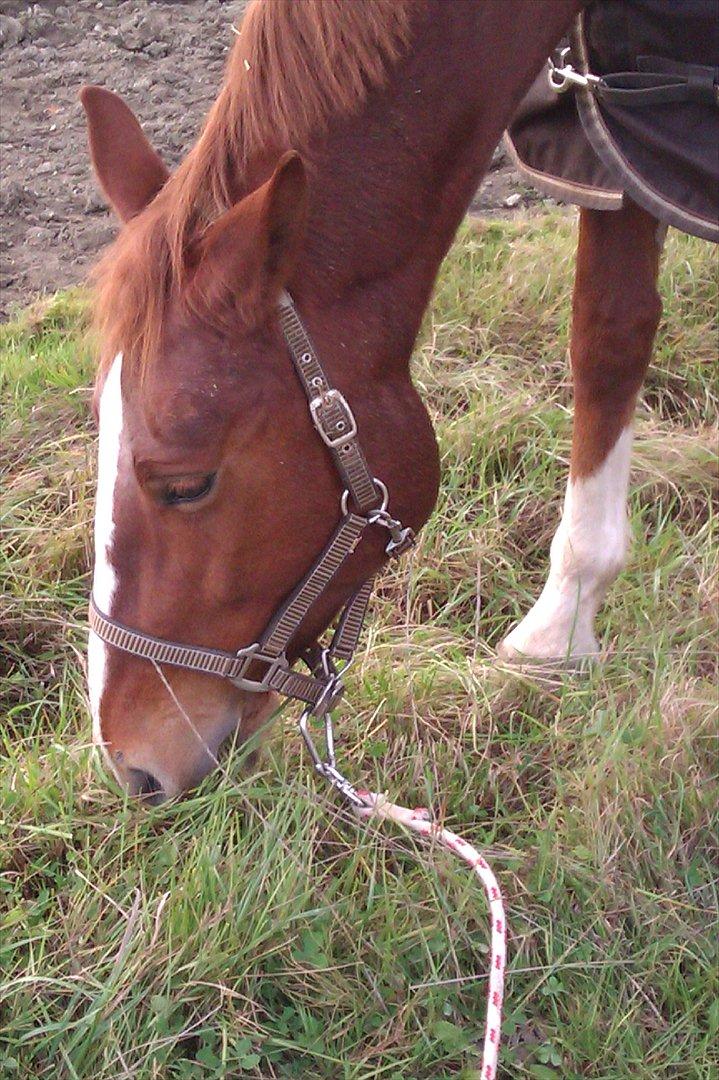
x=263, y=666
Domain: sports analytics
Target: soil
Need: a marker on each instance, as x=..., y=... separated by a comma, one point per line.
x=166, y=59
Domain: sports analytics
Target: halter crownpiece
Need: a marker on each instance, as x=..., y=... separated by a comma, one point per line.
x=263, y=666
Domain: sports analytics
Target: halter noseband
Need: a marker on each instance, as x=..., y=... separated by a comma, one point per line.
x=264, y=666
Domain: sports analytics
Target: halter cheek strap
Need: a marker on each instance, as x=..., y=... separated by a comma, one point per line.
x=263, y=666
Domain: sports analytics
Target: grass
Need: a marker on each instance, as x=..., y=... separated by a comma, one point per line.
x=255, y=929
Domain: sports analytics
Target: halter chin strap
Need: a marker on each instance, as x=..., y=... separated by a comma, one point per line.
x=263, y=666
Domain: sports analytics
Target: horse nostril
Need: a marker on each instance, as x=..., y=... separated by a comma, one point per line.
x=144, y=783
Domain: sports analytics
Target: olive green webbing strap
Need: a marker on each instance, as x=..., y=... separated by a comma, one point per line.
x=285, y=624
x=195, y=658
x=273, y=645
x=233, y=666
x=331, y=414
x=349, y=628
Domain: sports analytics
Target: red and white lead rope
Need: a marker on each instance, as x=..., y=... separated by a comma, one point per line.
x=420, y=822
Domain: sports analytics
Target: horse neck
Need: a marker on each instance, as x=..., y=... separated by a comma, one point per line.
x=390, y=185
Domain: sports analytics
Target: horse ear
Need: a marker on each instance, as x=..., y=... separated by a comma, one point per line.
x=130, y=172
x=283, y=219
x=250, y=252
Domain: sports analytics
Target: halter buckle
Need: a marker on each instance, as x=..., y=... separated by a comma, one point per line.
x=255, y=686
x=333, y=430
x=238, y=663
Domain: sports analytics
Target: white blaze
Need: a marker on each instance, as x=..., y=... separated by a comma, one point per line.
x=588, y=551
x=104, y=581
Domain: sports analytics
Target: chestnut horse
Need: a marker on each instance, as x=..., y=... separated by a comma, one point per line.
x=336, y=163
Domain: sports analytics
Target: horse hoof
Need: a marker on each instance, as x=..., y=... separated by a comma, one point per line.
x=553, y=659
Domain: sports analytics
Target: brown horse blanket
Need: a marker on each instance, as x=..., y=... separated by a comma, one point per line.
x=648, y=129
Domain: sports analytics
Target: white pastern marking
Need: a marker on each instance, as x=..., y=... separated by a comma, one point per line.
x=104, y=581
x=588, y=551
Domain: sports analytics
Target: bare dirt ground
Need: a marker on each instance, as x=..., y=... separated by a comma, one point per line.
x=167, y=60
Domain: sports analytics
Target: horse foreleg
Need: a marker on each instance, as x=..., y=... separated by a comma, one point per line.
x=615, y=313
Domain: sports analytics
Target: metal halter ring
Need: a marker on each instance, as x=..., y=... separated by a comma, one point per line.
x=344, y=501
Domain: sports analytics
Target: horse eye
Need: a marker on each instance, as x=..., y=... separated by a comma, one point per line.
x=187, y=489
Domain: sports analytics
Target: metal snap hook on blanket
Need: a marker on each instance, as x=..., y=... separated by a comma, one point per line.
x=562, y=75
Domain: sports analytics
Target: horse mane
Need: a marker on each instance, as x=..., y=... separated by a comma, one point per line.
x=295, y=64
